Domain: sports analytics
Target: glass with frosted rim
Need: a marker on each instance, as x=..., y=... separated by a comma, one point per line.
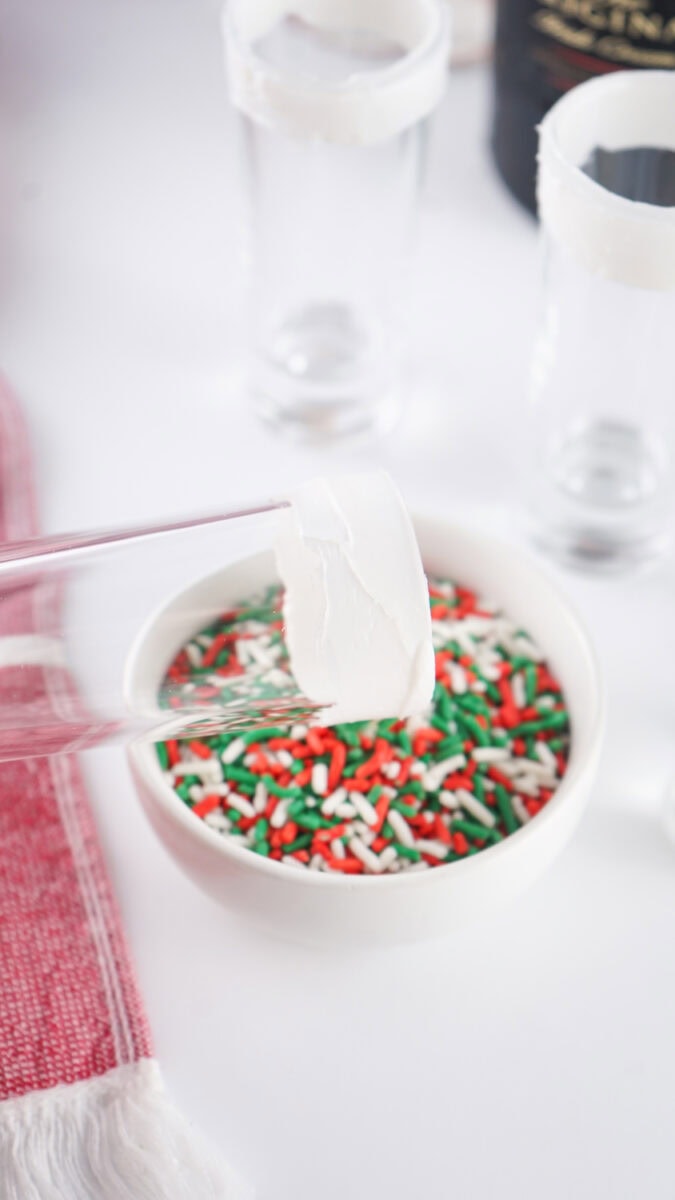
x=600, y=488
x=76, y=609
x=332, y=104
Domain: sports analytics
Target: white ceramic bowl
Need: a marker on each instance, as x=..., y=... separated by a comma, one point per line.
x=330, y=908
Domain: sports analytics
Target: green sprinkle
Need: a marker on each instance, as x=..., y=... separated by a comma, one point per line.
x=405, y=743
x=163, y=755
x=312, y=820
x=241, y=775
x=301, y=843
x=407, y=852
x=557, y=720
x=506, y=809
x=473, y=829
x=261, y=735
x=277, y=790
x=474, y=730
x=530, y=674
x=347, y=734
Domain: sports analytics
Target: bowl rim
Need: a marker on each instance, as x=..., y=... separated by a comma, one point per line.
x=144, y=763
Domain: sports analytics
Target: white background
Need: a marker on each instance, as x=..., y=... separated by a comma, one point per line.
x=532, y=1056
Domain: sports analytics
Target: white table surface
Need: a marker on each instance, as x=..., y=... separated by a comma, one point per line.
x=532, y=1056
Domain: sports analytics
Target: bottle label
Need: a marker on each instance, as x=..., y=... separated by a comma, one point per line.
x=578, y=38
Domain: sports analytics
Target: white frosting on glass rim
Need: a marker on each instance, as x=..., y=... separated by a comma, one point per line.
x=618, y=239
x=356, y=608
x=367, y=107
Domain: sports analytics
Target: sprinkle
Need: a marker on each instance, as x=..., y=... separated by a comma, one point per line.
x=260, y=798
x=364, y=809
x=473, y=806
x=401, y=828
x=520, y=810
x=490, y=754
x=320, y=779
x=366, y=856
x=242, y=805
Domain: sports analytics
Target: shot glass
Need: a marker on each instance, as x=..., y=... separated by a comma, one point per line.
x=601, y=484
x=332, y=98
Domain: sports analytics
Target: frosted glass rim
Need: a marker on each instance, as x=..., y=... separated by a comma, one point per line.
x=630, y=241
x=367, y=107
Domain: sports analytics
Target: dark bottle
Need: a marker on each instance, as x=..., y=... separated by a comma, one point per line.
x=546, y=47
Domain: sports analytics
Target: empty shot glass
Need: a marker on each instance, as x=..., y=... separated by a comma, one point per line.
x=332, y=99
x=602, y=381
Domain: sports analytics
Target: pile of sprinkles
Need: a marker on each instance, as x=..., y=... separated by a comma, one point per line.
x=374, y=797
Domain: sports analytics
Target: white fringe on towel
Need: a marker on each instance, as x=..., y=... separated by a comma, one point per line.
x=114, y=1137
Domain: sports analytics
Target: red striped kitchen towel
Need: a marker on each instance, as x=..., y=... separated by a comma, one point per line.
x=83, y=1115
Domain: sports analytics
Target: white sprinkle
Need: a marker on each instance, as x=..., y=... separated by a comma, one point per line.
x=370, y=861
x=490, y=754
x=413, y=867
x=518, y=805
x=458, y=680
x=280, y=813
x=402, y=831
x=242, y=652
x=299, y=733
x=433, y=778
x=528, y=784
x=196, y=792
x=417, y=769
x=260, y=798
x=316, y=863
x=345, y=810
x=364, y=808
x=390, y=770
x=337, y=848
x=546, y=756
x=218, y=821
x=415, y=723
x=387, y=858
x=476, y=808
x=529, y=769
x=518, y=691
x=241, y=804
x=234, y=751
x=292, y=862
x=285, y=758
x=430, y=846
x=194, y=654
x=320, y=779
x=491, y=672
x=330, y=804
x=208, y=770
x=449, y=799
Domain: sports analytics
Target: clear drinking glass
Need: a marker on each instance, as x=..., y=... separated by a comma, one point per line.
x=332, y=106
x=603, y=420
x=76, y=611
